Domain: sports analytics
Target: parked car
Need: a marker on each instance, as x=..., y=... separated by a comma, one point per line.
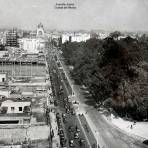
x=77, y=129
x=71, y=143
x=57, y=115
x=71, y=129
x=75, y=102
x=76, y=135
x=81, y=141
x=73, y=112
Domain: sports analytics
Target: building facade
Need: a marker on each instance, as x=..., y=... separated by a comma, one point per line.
x=31, y=45
x=12, y=38
x=75, y=37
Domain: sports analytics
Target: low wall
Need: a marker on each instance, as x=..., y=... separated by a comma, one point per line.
x=19, y=134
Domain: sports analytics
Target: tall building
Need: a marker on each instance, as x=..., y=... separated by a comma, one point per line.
x=12, y=38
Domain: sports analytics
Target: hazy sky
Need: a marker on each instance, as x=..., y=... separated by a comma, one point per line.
x=90, y=14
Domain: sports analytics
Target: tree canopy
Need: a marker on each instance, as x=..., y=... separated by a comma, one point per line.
x=111, y=69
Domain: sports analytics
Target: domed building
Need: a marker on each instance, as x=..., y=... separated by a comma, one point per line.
x=40, y=30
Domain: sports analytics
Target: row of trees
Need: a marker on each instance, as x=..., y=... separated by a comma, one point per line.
x=110, y=69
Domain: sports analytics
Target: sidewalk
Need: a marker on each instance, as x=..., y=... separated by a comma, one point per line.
x=54, y=128
x=138, y=130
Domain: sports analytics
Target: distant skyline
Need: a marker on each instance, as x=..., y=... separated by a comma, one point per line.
x=123, y=15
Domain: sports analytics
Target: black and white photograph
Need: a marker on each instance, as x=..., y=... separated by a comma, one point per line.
x=73, y=73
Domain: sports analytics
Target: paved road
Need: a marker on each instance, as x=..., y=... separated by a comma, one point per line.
x=71, y=119
x=109, y=136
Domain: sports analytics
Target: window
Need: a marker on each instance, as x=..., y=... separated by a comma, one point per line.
x=20, y=108
x=12, y=108
x=3, y=79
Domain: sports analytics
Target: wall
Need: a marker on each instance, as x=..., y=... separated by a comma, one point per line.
x=19, y=134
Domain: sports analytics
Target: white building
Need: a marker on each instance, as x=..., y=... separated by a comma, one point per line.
x=75, y=37
x=15, y=112
x=32, y=45
x=15, y=107
x=103, y=35
x=80, y=37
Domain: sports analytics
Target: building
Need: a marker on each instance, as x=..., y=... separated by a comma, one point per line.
x=15, y=112
x=32, y=45
x=40, y=31
x=15, y=107
x=12, y=38
x=75, y=37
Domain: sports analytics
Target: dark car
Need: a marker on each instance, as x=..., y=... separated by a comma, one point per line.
x=64, y=120
x=71, y=143
x=71, y=129
x=63, y=142
x=61, y=132
x=63, y=115
x=67, y=110
x=55, y=103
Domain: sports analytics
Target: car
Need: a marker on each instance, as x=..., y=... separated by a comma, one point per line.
x=61, y=88
x=58, y=119
x=55, y=103
x=65, y=99
x=77, y=129
x=75, y=102
x=58, y=115
x=81, y=141
x=67, y=110
x=71, y=129
x=71, y=143
x=63, y=115
x=145, y=142
x=64, y=78
x=73, y=112
x=61, y=132
x=65, y=105
x=63, y=142
x=64, y=120
x=76, y=135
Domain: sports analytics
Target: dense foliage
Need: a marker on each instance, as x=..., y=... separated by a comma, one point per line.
x=114, y=70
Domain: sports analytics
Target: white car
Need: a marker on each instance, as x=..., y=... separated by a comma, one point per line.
x=76, y=135
x=71, y=143
x=75, y=102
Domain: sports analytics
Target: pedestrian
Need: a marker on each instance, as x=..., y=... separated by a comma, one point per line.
x=131, y=126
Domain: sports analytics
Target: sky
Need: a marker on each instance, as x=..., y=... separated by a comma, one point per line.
x=126, y=15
